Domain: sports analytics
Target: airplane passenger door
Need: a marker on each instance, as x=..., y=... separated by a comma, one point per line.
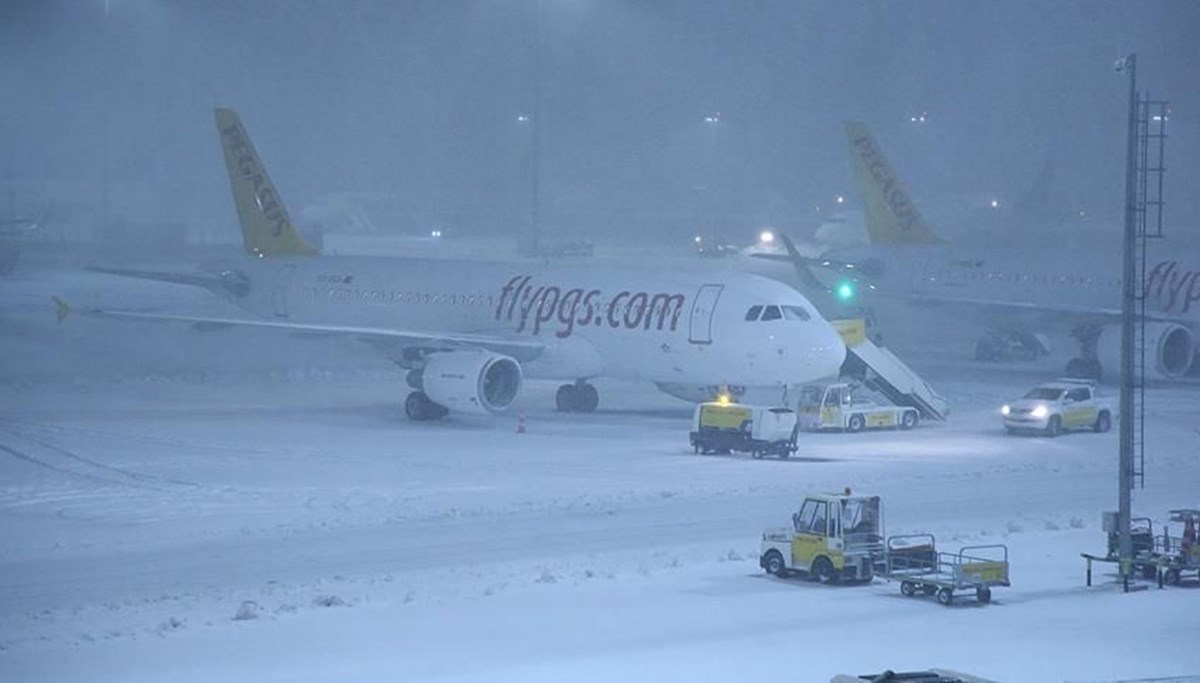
x=279, y=292
x=700, y=329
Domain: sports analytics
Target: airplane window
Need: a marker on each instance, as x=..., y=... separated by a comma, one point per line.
x=795, y=313
x=771, y=313
x=752, y=314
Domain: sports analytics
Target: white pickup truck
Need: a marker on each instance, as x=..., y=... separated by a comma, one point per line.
x=1055, y=407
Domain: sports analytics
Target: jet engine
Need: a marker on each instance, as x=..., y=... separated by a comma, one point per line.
x=471, y=381
x=1170, y=349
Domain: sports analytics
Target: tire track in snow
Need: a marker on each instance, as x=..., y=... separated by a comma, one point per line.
x=93, y=470
x=21, y=455
x=172, y=442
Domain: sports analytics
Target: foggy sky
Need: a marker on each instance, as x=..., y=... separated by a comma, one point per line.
x=419, y=101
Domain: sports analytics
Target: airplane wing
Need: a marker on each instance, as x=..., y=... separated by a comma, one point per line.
x=1034, y=315
x=392, y=342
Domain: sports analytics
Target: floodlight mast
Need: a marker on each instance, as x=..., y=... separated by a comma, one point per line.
x=1128, y=64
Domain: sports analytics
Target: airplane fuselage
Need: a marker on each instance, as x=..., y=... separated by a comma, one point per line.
x=686, y=327
x=1083, y=279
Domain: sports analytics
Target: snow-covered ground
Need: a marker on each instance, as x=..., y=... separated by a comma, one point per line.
x=230, y=505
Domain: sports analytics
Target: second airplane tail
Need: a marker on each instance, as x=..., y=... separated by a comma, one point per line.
x=266, y=228
x=892, y=218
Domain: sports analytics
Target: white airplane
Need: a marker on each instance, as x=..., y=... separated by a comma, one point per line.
x=470, y=332
x=1034, y=287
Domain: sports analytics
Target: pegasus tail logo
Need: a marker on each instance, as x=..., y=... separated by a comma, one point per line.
x=266, y=228
x=892, y=218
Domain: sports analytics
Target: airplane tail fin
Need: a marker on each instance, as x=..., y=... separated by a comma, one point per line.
x=892, y=218
x=266, y=228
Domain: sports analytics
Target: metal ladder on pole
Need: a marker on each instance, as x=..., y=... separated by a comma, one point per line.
x=1151, y=144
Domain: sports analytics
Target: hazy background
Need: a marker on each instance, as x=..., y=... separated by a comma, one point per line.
x=410, y=111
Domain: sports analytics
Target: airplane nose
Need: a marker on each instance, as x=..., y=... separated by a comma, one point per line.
x=826, y=352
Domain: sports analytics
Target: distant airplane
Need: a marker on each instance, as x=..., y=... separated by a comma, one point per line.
x=11, y=230
x=1027, y=286
x=470, y=332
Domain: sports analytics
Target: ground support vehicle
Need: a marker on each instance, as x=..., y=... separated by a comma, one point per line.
x=841, y=406
x=833, y=537
x=1153, y=556
x=1180, y=554
x=915, y=561
x=1055, y=407
x=1141, y=532
x=1173, y=557
x=722, y=427
x=1011, y=345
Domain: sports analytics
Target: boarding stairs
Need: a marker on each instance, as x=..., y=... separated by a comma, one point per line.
x=882, y=371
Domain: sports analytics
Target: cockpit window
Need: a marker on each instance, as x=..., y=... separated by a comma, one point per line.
x=795, y=313
x=752, y=314
x=771, y=313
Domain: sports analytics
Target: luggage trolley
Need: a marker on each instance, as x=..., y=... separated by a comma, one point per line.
x=914, y=561
x=1178, y=554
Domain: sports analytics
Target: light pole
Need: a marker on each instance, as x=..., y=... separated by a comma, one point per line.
x=1129, y=287
x=712, y=138
x=105, y=59
x=535, y=137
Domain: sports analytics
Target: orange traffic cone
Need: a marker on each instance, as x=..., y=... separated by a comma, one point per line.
x=521, y=421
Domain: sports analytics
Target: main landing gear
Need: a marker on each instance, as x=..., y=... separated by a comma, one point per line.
x=418, y=407
x=1087, y=364
x=579, y=397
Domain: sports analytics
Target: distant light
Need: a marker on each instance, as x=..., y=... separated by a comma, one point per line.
x=766, y=237
x=697, y=239
x=1005, y=410
x=995, y=203
x=713, y=118
x=724, y=399
x=521, y=118
x=840, y=199
x=435, y=233
x=919, y=118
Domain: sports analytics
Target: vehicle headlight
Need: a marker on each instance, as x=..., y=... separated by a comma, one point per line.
x=1004, y=409
x=1040, y=411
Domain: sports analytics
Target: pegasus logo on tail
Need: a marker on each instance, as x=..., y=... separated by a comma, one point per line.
x=266, y=228
x=252, y=172
x=891, y=215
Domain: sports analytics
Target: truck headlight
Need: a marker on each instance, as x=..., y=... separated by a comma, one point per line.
x=1040, y=411
x=1004, y=409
